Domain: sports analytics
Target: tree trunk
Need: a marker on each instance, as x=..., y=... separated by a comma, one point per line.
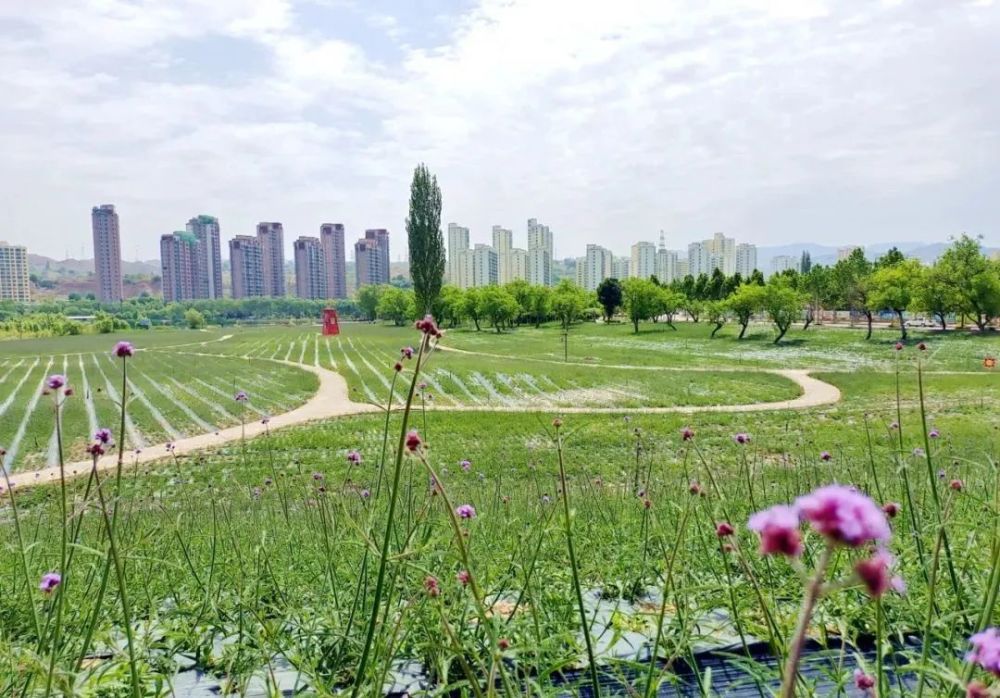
x=781, y=332
x=902, y=325
x=809, y=320
x=868, y=316
x=718, y=326
x=635, y=325
x=476, y=320
x=942, y=318
x=743, y=329
x=980, y=321
x=670, y=324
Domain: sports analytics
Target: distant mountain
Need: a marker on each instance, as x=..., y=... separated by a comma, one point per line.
x=48, y=267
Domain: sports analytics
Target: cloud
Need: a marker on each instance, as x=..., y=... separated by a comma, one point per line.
x=607, y=121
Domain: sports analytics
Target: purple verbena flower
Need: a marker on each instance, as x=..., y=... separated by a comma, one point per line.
x=934, y=433
x=825, y=456
x=844, y=515
x=466, y=465
x=55, y=381
x=103, y=435
x=741, y=438
x=779, y=530
x=240, y=396
x=123, y=349
x=465, y=511
x=687, y=433
x=864, y=682
x=986, y=650
x=876, y=575
x=50, y=580
x=353, y=457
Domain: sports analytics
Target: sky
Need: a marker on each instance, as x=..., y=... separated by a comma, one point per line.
x=774, y=121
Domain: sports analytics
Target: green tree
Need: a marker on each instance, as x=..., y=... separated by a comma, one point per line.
x=668, y=303
x=568, y=302
x=539, y=303
x=609, y=295
x=890, y=259
x=471, y=305
x=694, y=307
x=716, y=289
x=745, y=302
x=451, y=305
x=521, y=290
x=937, y=294
x=497, y=305
x=851, y=285
x=976, y=280
x=396, y=304
x=368, y=298
x=816, y=285
x=641, y=299
x=717, y=313
x=783, y=304
x=194, y=319
x=893, y=287
x=426, y=242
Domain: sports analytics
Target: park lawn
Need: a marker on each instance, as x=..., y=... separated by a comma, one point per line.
x=818, y=347
x=274, y=531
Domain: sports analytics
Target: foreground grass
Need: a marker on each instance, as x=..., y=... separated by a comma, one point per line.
x=240, y=560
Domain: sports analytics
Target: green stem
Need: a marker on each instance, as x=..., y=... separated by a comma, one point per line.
x=795, y=647
x=359, y=677
x=573, y=567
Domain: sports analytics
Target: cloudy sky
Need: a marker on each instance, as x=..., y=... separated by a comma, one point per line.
x=776, y=121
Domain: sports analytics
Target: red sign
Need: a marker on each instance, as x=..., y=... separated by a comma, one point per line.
x=330, y=324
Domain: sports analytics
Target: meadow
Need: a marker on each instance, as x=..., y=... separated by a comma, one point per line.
x=336, y=557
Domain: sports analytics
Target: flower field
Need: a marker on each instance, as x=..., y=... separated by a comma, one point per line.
x=511, y=549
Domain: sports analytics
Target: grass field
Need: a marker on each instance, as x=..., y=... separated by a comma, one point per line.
x=256, y=564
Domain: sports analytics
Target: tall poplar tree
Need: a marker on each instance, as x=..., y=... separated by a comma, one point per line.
x=426, y=242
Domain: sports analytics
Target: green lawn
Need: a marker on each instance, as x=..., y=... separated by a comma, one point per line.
x=257, y=562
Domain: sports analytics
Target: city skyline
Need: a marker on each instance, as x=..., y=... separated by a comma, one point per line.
x=773, y=121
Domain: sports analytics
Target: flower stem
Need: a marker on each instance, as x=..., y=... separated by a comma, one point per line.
x=795, y=647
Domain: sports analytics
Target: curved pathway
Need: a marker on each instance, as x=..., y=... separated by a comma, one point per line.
x=332, y=399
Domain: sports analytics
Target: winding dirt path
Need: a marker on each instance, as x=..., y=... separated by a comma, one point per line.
x=332, y=399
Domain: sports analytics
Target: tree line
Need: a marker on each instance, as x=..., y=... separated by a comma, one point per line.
x=962, y=284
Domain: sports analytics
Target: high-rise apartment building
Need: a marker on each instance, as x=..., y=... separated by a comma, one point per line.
x=310, y=268
x=538, y=267
x=643, y=263
x=458, y=244
x=485, y=266
x=746, y=259
x=15, y=280
x=518, y=264
x=381, y=238
x=246, y=266
x=272, y=245
x=540, y=251
x=784, y=262
x=331, y=237
x=208, y=277
x=597, y=265
x=182, y=267
x=722, y=254
x=107, y=253
x=621, y=268
x=699, y=259
x=503, y=243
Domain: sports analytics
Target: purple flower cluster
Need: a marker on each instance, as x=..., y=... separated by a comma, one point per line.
x=123, y=350
x=50, y=580
x=779, y=530
x=986, y=650
x=465, y=511
x=241, y=396
x=844, y=515
x=353, y=457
